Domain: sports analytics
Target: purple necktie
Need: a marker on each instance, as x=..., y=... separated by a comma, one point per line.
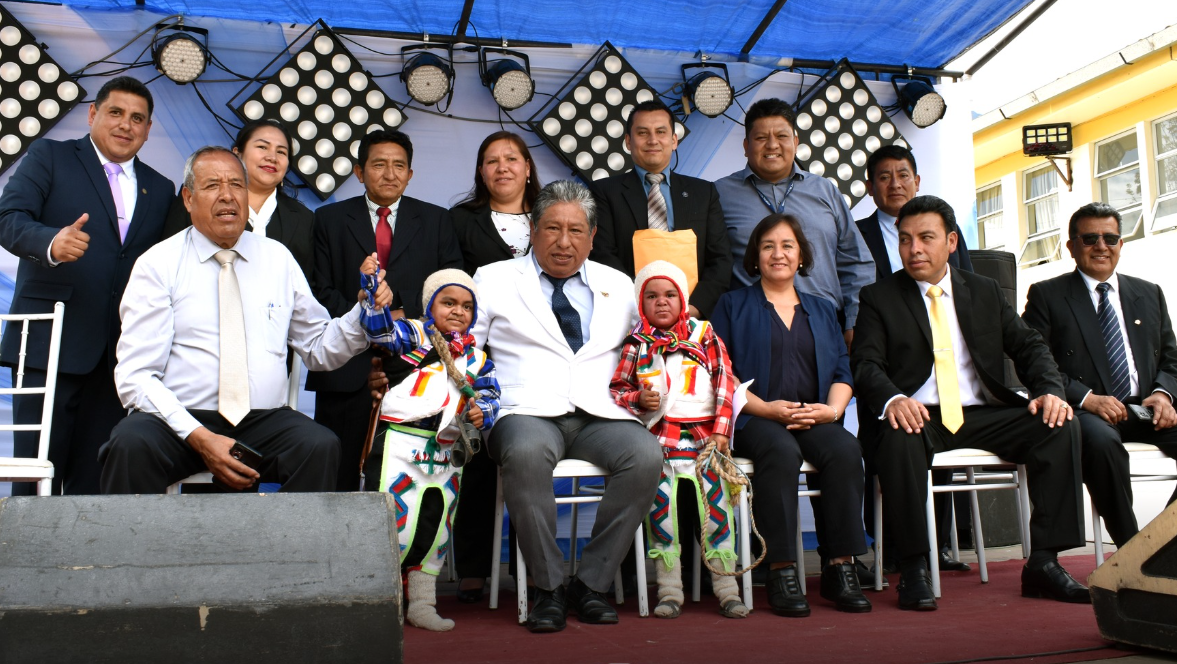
x=112, y=176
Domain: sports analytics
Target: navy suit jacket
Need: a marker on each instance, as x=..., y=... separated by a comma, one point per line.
x=55, y=183
x=1061, y=309
x=621, y=211
x=423, y=242
x=869, y=227
x=742, y=318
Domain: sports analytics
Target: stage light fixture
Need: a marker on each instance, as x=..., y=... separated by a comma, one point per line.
x=839, y=125
x=428, y=77
x=35, y=92
x=327, y=100
x=710, y=93
x=585, y=126
x=509, y=81
x=178, y=54
x=919, y=101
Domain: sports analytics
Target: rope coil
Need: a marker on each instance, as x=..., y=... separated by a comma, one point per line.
x=729, y=472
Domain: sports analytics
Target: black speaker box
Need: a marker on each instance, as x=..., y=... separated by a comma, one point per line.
x=235, y=578
x=1134, y=592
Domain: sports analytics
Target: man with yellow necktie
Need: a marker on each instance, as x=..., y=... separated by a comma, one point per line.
x=927, y=360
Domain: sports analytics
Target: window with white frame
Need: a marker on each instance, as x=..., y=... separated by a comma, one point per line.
x=1117, y=170
x=989, y=214
x=1040, y=194
x=1165, y=210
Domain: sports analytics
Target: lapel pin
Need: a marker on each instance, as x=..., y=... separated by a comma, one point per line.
x=604, y=294
x=143, y=191
x=1137, y=321
x=684, y=194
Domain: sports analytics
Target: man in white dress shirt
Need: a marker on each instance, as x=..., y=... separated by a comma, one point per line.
x=207, y=317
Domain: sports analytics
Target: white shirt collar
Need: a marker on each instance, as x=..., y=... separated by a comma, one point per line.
x=540, y=271
x=1092, y=282
x=128, y=166
x=246, y=245
x=373, y=207
x=945, y=284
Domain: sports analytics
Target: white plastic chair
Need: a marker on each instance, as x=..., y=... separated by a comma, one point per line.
x=1007, y=474
x=576, y=470
x=38, y=469
x=1136, y=452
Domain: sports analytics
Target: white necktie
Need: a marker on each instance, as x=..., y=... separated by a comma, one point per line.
x=233, y=396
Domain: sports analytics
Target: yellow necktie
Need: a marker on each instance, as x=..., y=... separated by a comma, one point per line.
x=951, y=414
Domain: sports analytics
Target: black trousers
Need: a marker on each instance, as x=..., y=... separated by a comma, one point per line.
x=346, y=415
x=85, y=409
x=777, y=454
x=144, y=455
x=1106, y=472
x=1051, y=456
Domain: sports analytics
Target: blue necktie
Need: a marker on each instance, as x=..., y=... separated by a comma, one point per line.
x=566, y=314
x=1109, y=326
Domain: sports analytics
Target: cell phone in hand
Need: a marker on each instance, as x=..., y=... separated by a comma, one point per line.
x=246, y=454
x=1141, y=413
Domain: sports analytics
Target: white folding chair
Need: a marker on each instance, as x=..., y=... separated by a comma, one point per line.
x=1002, y=474
x=1139, y=452
x=576, y=470
x=38, y=469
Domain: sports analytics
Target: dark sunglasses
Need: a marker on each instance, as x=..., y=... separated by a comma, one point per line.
x=1091, y=239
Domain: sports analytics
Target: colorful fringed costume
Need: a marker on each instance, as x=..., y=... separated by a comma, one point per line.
x=419, y=417
x=688, y=367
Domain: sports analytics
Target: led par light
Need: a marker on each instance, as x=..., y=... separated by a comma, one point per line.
x=35, y=92
x=327, y=100
x=428, y=77
x=839, y=125
x=179, y=55
x=585, y=127
x=710, y=93
x=509, y=81
x=919, y=101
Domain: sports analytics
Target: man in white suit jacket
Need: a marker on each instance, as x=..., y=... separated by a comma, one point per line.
x=553, y=322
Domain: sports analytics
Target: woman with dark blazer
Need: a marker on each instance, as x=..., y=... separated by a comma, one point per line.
x=790, y=344
x=493, y=224
x=264, y=148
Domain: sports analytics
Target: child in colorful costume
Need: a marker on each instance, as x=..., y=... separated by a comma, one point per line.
x=436, y=377
x=675, y=375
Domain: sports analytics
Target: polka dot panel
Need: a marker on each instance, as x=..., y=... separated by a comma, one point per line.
x=326, y=98
x=35, y=92
x=585, y=126
x=839, y=124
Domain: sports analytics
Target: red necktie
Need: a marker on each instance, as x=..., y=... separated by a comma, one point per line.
x=383, y=237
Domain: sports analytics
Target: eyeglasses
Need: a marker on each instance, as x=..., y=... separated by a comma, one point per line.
x=1091, y=239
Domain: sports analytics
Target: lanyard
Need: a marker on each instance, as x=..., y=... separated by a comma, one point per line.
x=768, y=203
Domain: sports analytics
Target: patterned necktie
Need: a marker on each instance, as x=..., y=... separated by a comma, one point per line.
x=951, y=414
x=233, y=394
x=566, y=314
x=1109, y=327
x=655, y=204
x=113, y=171
x=383, y=237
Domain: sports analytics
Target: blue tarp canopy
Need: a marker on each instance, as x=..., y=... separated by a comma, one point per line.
x=920, y=33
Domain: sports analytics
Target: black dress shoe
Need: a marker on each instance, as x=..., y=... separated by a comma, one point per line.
x=784, y=593
x=950, y=564
x=1053, y=582
x=915, y=590
x=470, y=595
x=839, y=584
x=549, y=612
x=866, y=575
x=590, y=606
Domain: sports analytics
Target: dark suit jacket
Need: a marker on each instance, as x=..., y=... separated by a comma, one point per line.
x=423, y=242
x=621, y=210
x=869, y=227
x=480, y=242
x=1061, y=309
x=55, y=183
x=293, y=224
x=892, y=352
x=742, y=318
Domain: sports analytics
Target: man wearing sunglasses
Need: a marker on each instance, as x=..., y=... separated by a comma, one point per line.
x=1114, y=344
